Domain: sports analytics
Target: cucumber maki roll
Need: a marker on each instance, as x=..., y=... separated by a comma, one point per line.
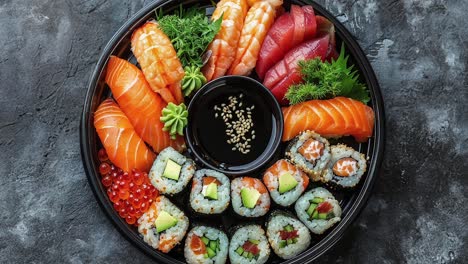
x=164, y=225
x=206, y=245
x=285, y=182
x=310, y=152
x=210, y=192
x=346, y=167
x=287, y=236
x=171, y=171
x=249, y=197
x=318, y=210
x=249, y=245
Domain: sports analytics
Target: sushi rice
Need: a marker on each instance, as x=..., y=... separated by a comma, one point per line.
x=339, y=152
x=317, y=226
x=169, y=238
x=200, y=203
x=212, y=234
x=241, y=236
x=170, y=186
x=312, y=168
x=277, y=223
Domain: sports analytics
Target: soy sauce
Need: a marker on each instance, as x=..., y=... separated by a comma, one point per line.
x=210, y=132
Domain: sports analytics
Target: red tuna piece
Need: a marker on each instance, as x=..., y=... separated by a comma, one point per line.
x=285, y=72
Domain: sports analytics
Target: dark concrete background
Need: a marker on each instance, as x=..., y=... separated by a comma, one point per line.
x=417, y=212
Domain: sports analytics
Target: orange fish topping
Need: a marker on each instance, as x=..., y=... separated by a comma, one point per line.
x=312, y=150
x=345, y=167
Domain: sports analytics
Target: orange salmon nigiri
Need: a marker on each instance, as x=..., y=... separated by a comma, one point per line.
x=223, y=47
x=256, y=25
x=123, y=146
x=339, y=116
x=159, y=62
x=141, y=105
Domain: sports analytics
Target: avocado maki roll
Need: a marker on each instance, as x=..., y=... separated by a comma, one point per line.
x=164, y=225
x=318, y=210
x=249, y=245
x=310, y=152
x=210, y=192
x=249, y=197
x=206, y=245
x=287, y=236
x=346, y=167
x=171, y=171
x=285, y=182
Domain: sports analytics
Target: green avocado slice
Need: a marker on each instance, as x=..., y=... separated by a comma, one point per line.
x=172, y=170
x=249, y=197
x=286, y=183
x=211, y=191
x=164, y=221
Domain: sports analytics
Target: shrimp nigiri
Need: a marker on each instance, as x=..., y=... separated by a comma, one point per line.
x=223, y=47
x=256, y=25
x=159, y=62
x=123, y=146
x=142, y=106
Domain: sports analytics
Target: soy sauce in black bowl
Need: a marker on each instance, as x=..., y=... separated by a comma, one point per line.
x=213, y=142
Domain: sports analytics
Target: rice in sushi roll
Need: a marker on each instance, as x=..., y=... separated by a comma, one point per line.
x=210, y=192
x=164, y=225
x=318, y=210
x=171, y=171
x=287, y=236
x=249, y=245
x=206, y=245
x=249, y=197
x=346, y=167
x=285, y=182
x=310, y=152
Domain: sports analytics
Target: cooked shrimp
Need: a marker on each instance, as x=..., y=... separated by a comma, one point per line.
x=275, y=3
x=258, y=21
x=158, y=61
x=223, y=47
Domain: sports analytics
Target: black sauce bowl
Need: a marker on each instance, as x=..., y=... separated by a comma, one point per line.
x=267, y=113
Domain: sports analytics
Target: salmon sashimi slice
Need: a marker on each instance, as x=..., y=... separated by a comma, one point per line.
x=224, y=45
x=197, y=245
x=335, y=117
x=282, y=166
x=123, y=145
x=258, y=21
x=140, y=104
x=158, y=61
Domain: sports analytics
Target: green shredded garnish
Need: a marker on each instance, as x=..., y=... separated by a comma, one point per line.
x=192, y=80
x=324, y=80
x=190, y=32
x=175, y=118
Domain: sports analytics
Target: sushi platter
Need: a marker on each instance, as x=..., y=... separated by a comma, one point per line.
x=232, y=131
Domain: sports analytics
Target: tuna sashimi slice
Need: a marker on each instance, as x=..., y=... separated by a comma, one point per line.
x=335, y=117
x=123, y=146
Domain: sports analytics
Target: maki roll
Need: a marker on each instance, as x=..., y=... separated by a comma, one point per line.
x=310, y=152
x=206, y=245
x=287, y=236
x=164, y=225
x=210, y=192
x=249, y=197
x=171, y=171
x=249, y=245
x=346, y=167
x=318, y=210
x=285, y=182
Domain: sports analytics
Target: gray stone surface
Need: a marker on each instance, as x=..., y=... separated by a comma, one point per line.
x=417, y=212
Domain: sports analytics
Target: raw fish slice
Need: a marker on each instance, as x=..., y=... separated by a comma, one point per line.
x=256, y=25
x=123, y=146
x=339, y=116
x=223, y=47
x=326, y=27
x=158, y=61
x=285, y=73
x=142, y=106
